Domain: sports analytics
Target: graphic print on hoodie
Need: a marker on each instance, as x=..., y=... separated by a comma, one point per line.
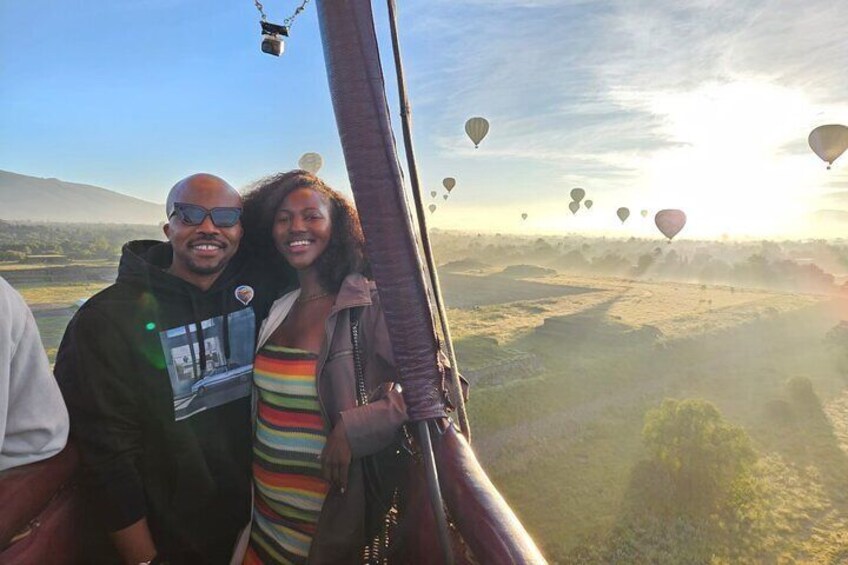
x=210, y=363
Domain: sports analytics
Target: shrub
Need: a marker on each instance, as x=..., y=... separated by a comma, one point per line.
x=10, y=255
x=704, y=458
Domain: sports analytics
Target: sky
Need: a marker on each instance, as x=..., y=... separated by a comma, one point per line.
x=701, y=105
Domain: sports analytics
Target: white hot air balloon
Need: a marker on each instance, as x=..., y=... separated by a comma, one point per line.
x=644, y=213
x=477, y=128
x=829, y=142
x=310, y=162
x=449, y=183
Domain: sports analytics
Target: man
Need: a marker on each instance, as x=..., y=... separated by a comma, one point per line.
x=156, y=371
x=33, y=418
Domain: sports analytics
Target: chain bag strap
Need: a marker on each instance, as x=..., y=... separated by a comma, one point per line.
x=383, y=473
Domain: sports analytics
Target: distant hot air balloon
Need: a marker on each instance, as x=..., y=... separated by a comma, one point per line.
x=623, y=213
x=577, y=194
x=670, y=222
x=588, y=204
x=573, y=206
x=433, y=193
x=524, y=216
x=829, y=142
x=310, y=162
x=644, y=213
x=445, y=196
x=477, y=128
x=432, y=208
x=449, y=183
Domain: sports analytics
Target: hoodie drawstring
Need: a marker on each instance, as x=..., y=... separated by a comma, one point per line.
x=187, y=328
x=226, y=329
x=201, y=340
x=225, y=337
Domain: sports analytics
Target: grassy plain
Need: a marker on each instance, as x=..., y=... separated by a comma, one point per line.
x=12, y=266
x=562, y=445
x=53, y=306
x=44, y=296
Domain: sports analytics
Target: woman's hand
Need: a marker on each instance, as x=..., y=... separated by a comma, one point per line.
x=336, y=456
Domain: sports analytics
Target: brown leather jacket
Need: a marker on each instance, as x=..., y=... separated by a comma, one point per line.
x=341, y=530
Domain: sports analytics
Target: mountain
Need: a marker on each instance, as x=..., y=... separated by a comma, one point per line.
x=52, y=200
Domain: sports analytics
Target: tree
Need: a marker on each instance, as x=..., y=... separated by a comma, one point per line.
x=704, y=458
x=10, y=255
x=644, y=263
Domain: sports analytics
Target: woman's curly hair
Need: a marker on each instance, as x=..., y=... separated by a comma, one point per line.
x=345, y=252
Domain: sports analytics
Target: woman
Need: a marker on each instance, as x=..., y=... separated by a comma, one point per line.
x=310, y=434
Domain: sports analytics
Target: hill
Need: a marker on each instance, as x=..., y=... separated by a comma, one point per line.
x=526, y=271
x=26, y=198
x=463, y=265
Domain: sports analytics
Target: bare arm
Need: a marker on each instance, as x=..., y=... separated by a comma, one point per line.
x=134, y=543
x=336, y=457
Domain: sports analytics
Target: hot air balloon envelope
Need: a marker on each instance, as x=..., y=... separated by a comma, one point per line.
x=433, y=193
x=670, y=222
x=445, y=196
x=829, y=142
x=588, y=204
x=524, y=216
x=477, y=128
x=449, y=183
x=311, y=162
x=644, y=213
x=573, y=206
x=623, y=214
x=432, y=208
x=577, y=194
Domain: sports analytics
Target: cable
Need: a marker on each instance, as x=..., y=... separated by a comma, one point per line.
x=405, y=113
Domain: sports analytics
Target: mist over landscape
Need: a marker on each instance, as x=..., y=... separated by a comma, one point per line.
x=593, y=362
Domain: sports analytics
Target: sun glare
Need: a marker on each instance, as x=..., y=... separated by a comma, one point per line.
x=733, y=171
x=732, y=155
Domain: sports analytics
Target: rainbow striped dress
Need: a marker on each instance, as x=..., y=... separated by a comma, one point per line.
x=290, y=434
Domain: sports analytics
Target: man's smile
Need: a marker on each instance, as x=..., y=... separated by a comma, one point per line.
x=206, y=248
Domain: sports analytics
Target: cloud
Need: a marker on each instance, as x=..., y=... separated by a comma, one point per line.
x=840, y=196
x=836, y=216
x=513, y=4
x=592, y=78
x=693, y=103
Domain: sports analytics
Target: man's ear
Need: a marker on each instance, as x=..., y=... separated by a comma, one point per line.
x=166, y=227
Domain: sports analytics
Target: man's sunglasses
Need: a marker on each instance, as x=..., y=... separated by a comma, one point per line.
x=193, y=215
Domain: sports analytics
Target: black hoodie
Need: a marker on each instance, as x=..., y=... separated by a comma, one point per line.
x=156, y=374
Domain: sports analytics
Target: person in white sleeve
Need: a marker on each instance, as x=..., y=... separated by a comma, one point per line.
x=33, y=418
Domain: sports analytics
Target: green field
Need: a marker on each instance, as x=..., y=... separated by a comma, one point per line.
x=53, y=306
x=562, y=446
x=563, y=442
